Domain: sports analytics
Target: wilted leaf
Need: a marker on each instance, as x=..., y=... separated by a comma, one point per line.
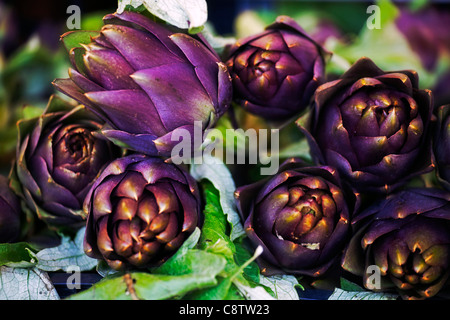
x=69, y=253
x=184, y=14
x=283, y=286
x=26, y=284
x=339, y=294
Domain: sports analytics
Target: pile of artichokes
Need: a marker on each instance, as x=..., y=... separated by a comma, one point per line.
x=102, y=159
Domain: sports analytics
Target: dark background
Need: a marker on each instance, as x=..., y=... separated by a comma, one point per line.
x=49, y=16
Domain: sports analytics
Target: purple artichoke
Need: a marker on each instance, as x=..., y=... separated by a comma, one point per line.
x=407, y=236
x=373, y=126
x=427, y=34
x=276, y=72
x=9, y=213
x=141, y=209
x=442, y=145
x=57, y=160
x=300, y=216
x=145, y=82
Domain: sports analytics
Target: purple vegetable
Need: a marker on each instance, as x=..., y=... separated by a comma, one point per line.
x=300, y=216
x=58, y=158
x=141, y=209
x=407, y=237
x=276, y=72
x=146, y=82
x=373, y=126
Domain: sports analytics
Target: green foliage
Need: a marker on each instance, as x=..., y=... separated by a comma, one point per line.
x=20, y=254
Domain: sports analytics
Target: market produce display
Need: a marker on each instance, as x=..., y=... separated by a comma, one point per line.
x=146, y=165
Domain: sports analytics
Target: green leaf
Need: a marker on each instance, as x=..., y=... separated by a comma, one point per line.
x=389, y=11
x=193, y=262
x=240, y=274
x=19, y=255
x=74, y=39
x=26, y=284
x=68, y=254
x=142, y=285
x=416, y=5
x=297, y=149
x=164, y=287
x=251, y=271
x=189, y=243
x=29, y=112
x=232, y=278
x=347, y=285
x=217, y=172
x=201, y=266
x=248, y=291
x=214, y=230
x=218, y=292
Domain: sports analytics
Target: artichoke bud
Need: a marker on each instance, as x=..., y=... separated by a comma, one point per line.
x=276, y=72
x=141, y=210
x=407, y=236
x=300, y=216
x=58, y=158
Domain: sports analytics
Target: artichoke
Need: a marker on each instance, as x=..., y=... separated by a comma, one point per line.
x=58, y=158
x=141, y=209
x=373, y=126
x=276, y=72
x=9, y=212
x=428, y=38
x=424, y=31
x=300, y=216
x=442, y=145
x=145, y=82
x=407, y=236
